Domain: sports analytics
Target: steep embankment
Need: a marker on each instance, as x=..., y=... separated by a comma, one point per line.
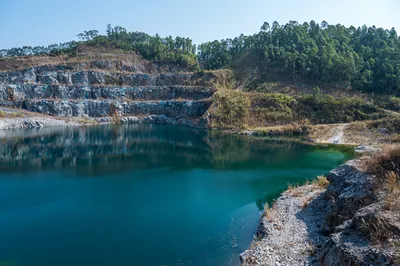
x=355, y=221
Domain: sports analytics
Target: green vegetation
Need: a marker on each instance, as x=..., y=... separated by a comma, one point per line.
x=272, y=108
x=391, y=124
x=325, y=109
x=365, y=57
x=180, y=50
x=270, y=111
x=10, y=114
x=393, y=104
x=231, y=108
x=285, y=130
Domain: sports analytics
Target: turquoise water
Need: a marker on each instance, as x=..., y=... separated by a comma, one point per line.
x=141, y=194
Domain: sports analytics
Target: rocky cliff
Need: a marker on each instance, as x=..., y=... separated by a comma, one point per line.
x=109, y=88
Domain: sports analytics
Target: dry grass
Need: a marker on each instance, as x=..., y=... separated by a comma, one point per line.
x=10, y=115
x=305, y=201
x=392, y=202
x=395, y=138
x=321, y=182
x=357, y=126
x=396, y=259
x=322, y=132
x=284, y=130
x=382, y=164
x=376, y=228
x=385, y=165
x=294, y=191
x=267, y=212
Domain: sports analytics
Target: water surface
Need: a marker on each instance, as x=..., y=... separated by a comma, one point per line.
x=141, y=194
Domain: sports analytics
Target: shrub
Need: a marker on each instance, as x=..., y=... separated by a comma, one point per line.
x=321, y=182
x=385, y=166
x=393, y=104
x=272, y=108
x=285, y=130
x=231, y=108
x=385, y=163
x=325, y=109
x=391, y=123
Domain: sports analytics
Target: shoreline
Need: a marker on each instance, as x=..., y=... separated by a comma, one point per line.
x=317, y=225
x=48, y=121
x=29, y=120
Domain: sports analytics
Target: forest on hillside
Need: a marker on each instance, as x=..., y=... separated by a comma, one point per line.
x=367, y=58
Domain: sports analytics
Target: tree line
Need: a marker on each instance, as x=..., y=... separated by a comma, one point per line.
x=177, y=50
x=367, y=58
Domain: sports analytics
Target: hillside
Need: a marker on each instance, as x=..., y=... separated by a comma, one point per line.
x=254, y=82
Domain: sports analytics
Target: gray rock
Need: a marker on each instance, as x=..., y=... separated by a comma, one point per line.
x=130, y=120
x=49, y=78
x=80, y=78
x=366, y=149
x=158, y=119
x=349, y=190
x=29, y=76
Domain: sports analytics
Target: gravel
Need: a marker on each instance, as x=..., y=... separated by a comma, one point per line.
x=293, y=230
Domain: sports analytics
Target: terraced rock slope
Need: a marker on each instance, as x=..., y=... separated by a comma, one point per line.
x=109, y=88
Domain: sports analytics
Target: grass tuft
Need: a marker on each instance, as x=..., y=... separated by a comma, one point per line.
x=267, y=212
x=321, y=182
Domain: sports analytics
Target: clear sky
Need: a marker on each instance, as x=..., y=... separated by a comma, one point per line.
x=43, y=22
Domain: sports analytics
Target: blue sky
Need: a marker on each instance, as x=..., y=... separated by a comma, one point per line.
x=43, y=22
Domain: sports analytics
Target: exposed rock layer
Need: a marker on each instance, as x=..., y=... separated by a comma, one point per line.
x=73, y=90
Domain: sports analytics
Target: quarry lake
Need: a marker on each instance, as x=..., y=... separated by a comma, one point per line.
x=141, y=194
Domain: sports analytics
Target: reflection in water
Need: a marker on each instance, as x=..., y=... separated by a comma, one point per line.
x=163, y=195
x=87, y=149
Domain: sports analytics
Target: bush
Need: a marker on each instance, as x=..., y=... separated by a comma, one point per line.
x=325, y=109
x=285, y=130
x=393, y=104
x=385, y=164
x=392, y=124
x=272, y=108
x=321, y=182
x=231, y=109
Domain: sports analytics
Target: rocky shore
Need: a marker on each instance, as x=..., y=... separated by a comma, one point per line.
x=42, y=121
x=33, y=122
x=310, y=225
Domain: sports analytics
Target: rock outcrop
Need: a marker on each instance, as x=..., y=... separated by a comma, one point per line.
x=93, y=90
x=344, y=225
x=357, y=221
x=33, y=122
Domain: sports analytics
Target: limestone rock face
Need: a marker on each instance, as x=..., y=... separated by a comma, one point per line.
x=101, y=108
x=96, y=89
